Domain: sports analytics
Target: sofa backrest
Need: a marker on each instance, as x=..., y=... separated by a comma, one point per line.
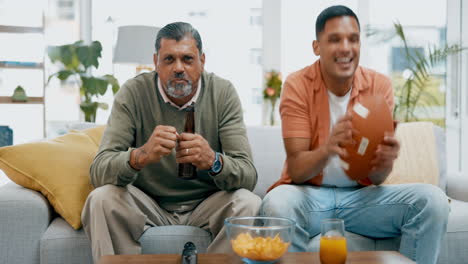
x=268, y=155
x=439, y=135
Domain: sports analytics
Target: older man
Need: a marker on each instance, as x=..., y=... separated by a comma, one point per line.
x=135, y=170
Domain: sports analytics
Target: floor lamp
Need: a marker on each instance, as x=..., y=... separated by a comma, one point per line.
x=135, y=45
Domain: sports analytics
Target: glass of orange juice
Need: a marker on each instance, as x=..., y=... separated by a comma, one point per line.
x=333, y=242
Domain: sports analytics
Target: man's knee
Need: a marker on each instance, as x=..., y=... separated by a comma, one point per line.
x=433, y=201
x=247, y=201
x=282, y=201
x=99, y=199
x=104, y=193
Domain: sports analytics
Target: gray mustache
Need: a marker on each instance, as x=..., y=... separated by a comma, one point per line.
x=180, y=75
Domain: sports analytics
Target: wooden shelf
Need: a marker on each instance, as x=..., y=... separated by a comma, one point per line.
x=19, y=29
x=31, y=100
x=20, y=65
x=25, y=65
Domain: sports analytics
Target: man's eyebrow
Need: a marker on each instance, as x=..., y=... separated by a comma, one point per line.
x=333, y=34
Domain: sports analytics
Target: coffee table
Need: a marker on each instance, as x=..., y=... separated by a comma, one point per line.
x=362, y=257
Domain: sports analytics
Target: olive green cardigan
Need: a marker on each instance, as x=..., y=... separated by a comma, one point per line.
x=139, y=107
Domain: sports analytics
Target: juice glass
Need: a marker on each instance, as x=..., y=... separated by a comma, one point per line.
x=333, y=242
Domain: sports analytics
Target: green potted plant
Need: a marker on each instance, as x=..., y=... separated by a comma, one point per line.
x=77, y=60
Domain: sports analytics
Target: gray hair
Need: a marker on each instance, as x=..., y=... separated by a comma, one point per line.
x=177, y=31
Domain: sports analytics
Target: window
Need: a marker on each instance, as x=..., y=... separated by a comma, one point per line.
x=399, y=62
x=65, y=9
x=256, y=17
x=256, y=56
x=457, y=92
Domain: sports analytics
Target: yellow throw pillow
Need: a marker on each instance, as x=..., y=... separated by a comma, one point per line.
x=417, y=160
x=58, y=168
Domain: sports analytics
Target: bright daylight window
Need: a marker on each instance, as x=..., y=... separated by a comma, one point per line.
x=425, y=37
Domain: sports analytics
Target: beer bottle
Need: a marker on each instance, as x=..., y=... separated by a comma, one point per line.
x=188, y=171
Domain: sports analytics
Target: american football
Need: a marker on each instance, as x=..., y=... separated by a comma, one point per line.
x=371, y=118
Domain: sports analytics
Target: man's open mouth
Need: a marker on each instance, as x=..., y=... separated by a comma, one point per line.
x=344, y=60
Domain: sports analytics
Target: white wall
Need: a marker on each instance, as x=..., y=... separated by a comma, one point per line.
x=298, y=31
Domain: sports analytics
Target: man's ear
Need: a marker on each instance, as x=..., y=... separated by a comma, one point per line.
x=316, y=48
x=202, y=59
x=155, y=61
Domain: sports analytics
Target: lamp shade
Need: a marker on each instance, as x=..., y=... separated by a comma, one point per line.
x=135, y=44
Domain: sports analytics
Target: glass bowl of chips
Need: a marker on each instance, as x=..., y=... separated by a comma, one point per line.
x=260, y=240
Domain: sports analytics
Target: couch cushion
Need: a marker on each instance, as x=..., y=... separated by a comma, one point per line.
x=453, y=248
x=268, y=155
x=24, y=216
x=458, y=217
x=58, y=168
x=62, y=244
x=417, y=160
x=439, y=134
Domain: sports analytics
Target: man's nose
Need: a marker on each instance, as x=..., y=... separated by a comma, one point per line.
x=345, y=46
x=178, y=67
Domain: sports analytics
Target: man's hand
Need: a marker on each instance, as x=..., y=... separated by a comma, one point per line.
x=340, y=136
x=161, y=142
x=194, y=149
x=385, y=156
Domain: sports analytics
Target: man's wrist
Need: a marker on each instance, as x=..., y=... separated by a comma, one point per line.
x=217, y=164
x=378, y=177
x=136, y=158
x=325, y=152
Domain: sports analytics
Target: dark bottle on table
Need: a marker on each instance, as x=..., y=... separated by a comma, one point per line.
x=188, y=171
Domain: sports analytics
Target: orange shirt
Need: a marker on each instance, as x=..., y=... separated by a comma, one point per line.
x=305, y=111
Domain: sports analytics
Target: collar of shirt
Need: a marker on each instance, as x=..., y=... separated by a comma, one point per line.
x=168, y=101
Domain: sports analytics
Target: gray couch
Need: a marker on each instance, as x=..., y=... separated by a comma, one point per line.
x=30, y=232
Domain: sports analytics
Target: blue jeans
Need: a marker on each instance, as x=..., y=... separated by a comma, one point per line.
x=416, y=212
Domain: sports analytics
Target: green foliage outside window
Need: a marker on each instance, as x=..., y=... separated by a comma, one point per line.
x=419, y=90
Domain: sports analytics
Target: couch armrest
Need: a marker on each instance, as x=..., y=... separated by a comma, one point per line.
x=24, y=217
x=457, y=186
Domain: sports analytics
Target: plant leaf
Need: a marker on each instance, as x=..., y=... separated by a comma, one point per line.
x=88, y=54
x=50, y=77
x=88, y=87
x=112, y=81
x=94, y=85
x=64, y=74
x=54, y=53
